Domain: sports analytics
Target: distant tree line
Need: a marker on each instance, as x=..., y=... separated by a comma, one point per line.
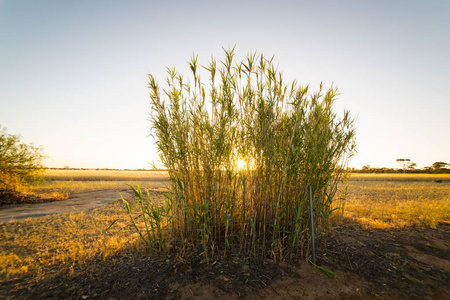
x=438, y=167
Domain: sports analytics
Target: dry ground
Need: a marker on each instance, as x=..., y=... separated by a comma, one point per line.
x=384, y=264
x=401, y=259
x=76, y=202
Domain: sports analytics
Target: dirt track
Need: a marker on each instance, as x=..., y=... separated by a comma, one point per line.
x=76, y=202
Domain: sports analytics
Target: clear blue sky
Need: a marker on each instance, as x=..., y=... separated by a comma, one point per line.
x=73, y=74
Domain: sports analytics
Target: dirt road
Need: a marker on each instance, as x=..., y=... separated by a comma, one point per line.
x=76, y=202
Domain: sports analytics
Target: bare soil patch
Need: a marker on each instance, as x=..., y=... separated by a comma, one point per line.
x=13, y=197
x=383, y=264
x=411, y=263
x=76, y=202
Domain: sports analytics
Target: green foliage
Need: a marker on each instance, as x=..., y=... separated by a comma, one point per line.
x=20, y=163
x=148, y=218
x=288, y=138
x=326, y=271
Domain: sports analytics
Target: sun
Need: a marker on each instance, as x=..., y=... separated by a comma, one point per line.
x=241, y=164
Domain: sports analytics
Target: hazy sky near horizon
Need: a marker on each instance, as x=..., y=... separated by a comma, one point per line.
x=73, y=74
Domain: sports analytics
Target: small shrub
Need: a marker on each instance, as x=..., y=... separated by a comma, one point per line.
x=20, y=163
x=241, y=152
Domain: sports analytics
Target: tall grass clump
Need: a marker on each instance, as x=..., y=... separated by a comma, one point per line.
x=241, y=151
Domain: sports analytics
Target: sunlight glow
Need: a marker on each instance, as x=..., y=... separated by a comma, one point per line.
x=241, y=164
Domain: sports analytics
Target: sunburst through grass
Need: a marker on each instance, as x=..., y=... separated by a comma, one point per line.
x=241, y=164
x=206, y=135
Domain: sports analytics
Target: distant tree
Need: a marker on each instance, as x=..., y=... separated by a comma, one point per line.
x=366, y=168
x=20, y=163
x=439, y=166
x=411, y=166
x=404, y=163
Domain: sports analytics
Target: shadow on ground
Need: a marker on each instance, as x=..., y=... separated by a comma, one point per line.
x=396, y=264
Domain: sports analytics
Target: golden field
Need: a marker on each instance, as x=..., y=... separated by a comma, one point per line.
x=399, y=177
x=389, y=204
x=75, y=181
x=104, y=175
x=36, y=245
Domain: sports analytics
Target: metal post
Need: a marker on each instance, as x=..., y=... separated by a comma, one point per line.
x=311, y=219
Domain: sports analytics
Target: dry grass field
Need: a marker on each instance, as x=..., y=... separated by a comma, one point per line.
x=104, y=175
x=76, y=181
x=397, y=200
x=400, y=177
x=34, y=250
x=36, y=244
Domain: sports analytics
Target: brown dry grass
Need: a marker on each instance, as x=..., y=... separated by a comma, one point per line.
x=397, y=200
x=399, y=177
x=66, y=182
x=104, y=175
x=38, y=244
x=34, y=246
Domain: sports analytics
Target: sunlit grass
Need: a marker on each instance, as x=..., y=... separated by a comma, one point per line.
x=59, y=184
x=31, y=246
x=399, y=177
x=85, y=186
x=105, y=175
x=65, y=182
x=34, y=245
x=395, y=204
